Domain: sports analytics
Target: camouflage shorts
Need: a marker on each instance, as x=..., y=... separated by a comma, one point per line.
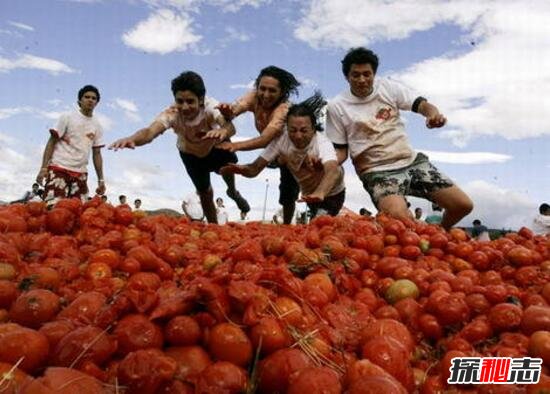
x=419, y=179
x=60, y=184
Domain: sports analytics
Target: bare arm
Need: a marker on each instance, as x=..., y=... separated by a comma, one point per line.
x=433, y=117
x=268, y=135
x=226, y=130
x=248, y=170
x=98, y=165
x=140, y=137
x=46, y=157
x=330, y=177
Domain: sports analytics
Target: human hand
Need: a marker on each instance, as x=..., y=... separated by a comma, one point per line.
x=216, y=134
x=313, y=162
x=122, y=143
x=226, y=111
x=228, y=146
x=311, y=198
x=100, y=188
x=231, y=168
x=435, y=121
x=41, y=175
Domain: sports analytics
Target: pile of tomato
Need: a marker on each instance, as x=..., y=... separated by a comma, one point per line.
x=100, y=299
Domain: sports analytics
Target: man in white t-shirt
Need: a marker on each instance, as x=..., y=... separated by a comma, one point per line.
x=200, y=127
x=221, y=211
x=309, y=156
x=365, y=122
x=192, y=207
x=65, y=159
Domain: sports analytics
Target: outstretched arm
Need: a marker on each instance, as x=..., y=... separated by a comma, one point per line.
x=433, y=117
x=140, y=137
x=248, y=170
x=46, y=157
x=330, y=177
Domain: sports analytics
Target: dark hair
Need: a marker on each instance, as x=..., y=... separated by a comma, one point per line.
x=311, y=108
x=359, y=55
x=136, y=200
x=287, y=82
x=121, y=196
x=435, y=207
x=35, y=184
x=476, y=222
x=544, y=208
x=189, y=80
x=88, y=88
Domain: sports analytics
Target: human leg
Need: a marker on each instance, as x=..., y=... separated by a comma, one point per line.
x=56, y=186
x=455, y=202
x=199, y=173
x=207, y=204
x=217, y=158
x=387, y=190
x=288, y=194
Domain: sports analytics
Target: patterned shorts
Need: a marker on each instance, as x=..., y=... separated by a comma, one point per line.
x=60, y=184
x=419, y=179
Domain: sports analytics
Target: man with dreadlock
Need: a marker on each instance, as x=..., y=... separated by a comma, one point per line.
x=308, y=154
x=268, y=101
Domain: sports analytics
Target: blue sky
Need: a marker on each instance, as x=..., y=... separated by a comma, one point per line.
x=485, y=64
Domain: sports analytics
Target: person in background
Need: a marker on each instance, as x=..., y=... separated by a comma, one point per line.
x=200, y=127
x=66, y=155
x=137, y=203
x=192, y=207
x=541, y=223
x=308, y=155
x=243, y=217
x=30, y=195
x=104, y=198
x=269, y=102
x=479, y=231
x=436, y=216
x=364, y=122
x=122, y=199
x=221, y=211
x=418, y=213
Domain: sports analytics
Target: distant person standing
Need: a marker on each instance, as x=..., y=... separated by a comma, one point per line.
x=418, y=213
x=137, y=203
x=541, y=223
x=480, y=232
x=31, y=195
x=122, y=199
x=365, y=122
x=436, y=216
x=66, y=155
x=192, y=207
x=221, y=211
x=365, y=212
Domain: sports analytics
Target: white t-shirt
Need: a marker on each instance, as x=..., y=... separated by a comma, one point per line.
x=541, y=224
x=307, y=177
x=191, y=132
x=193, y=206
x=372, y=127
x=221, y=214
x=76, y=134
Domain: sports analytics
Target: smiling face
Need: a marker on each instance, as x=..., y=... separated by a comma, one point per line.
x=268, y=92
x=361, y=79
x=300, y=130
x=188, y=103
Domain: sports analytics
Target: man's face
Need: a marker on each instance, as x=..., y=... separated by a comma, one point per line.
x=300, y=131
x=361, y=79
x=137, y=203
x=418, y=213
x=35, y=188
x=188, y=104
x=268, y=92
x=122, y=200
x=88, y=101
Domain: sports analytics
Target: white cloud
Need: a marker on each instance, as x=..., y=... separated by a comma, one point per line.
x=193, y=5
x=6, y=113
x=130, y=109
x=20, y=25
x=497, y=87
x=249, y=85
x=163, y=32
x=34, y=62
x=232, y=34
x=466, y=157
x=104, y=120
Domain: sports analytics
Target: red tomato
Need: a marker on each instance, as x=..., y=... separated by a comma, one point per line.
x=107, y=256
x=477, y=330
x=520, y=256
x=539, y=346
x=20, y=342
x=60, y=221
x=429, y=326
x=65, y=381
x=315, y=380
x=272, y=336
x=145, y=371
x=409, y=238
x=191, y=361
x=505, y=317
x=8, y=293
x=182, y=331
x=84, y=308
x=389, y=328
x=276, y=369
x=535, y=318
x=228, y=342
x=134, y=332
x=222, y=377
x=34, y=307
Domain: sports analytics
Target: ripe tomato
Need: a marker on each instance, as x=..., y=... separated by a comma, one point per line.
x=8, y=293
x=535, y=318
x=228, y=342
x=505, y=317
x=276, y=369
x=272, y=336
x=182, y=331
x=35, y=307
x=430, y=327
x=389, y=328
x=20, y=342
x=60, y=221
x=134, y=332
x=191, y=361
x=539, y=346
x=222, y=377
x=144, y=371
x=315, y=380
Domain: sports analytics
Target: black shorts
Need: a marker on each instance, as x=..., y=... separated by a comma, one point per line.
x=199, y=168
x=288, y=187
x=331, y=204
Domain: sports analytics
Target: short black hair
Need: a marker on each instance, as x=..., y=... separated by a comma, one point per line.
x=544, y=208
x=359, y=55
x=287, y=82
x=35, y=184
x=476, y=222
x=189, y=80
x=88, y=88
x=121, y=196
x=137, y=200
x=311, y=107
